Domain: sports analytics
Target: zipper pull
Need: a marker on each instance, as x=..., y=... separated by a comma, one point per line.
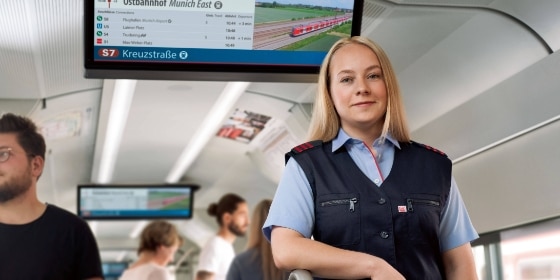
x=352, y=202
x=409, y=205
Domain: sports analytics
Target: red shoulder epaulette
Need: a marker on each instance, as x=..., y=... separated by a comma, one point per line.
x=305, y=146
x=300, y=148
x=430, y=148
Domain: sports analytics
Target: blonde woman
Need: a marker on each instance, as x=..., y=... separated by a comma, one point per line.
x=256, y=262
x=378, y=205
x=158, y=243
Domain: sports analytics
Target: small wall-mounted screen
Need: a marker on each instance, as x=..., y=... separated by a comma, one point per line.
x=266, y=40
x=113, y=270
x=135, y=201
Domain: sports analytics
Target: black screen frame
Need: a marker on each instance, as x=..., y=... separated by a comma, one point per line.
x=197, y=72
x=192, y=187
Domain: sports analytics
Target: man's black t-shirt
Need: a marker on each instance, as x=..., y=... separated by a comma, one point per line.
x=58, y=245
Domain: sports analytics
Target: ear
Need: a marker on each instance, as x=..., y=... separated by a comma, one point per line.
x=37, y=165
x=159, y=248
x=226, y=218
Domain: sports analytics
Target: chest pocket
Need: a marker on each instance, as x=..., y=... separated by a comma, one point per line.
x=423, y=216
x=337, y=219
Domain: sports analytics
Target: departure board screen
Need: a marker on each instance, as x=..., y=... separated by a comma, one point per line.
x=182, y=37
x=135, y=202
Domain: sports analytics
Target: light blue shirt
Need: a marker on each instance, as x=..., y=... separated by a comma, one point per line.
x=292, y=206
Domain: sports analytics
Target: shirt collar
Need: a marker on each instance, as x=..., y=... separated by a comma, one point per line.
x=343, y=138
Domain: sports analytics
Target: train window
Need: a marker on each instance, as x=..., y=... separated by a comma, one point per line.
x=532, y=252
x=528, y=252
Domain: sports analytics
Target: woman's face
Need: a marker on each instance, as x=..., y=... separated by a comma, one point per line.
x=167, y=253
x=357, y=88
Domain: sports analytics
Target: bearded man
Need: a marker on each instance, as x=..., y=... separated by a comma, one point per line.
x=232, y=215
x=37, y=240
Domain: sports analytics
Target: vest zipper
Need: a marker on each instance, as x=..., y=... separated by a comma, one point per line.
x=351, y=201
x=410, y=201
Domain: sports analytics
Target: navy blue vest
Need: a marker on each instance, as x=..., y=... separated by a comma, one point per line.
x=398, y=221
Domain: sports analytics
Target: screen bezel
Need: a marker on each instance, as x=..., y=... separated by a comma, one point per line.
x=192, y=187
x=197, y=72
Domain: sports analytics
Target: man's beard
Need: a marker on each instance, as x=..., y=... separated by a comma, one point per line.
x=238, y=231
x=15, y=186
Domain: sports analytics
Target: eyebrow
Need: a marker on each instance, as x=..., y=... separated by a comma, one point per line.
x=374, y=67
x=370, y=68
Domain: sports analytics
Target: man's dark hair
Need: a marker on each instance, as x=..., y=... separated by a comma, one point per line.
x=26, y=133
x=227, y=204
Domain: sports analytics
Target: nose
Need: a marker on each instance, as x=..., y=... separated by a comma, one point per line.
x=362, y=87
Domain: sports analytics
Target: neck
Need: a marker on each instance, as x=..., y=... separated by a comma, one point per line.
x=149, y=257
x=227, y=235
x=23, y=209
x=367, y=134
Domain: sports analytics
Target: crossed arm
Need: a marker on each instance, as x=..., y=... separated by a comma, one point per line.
x=293, y=251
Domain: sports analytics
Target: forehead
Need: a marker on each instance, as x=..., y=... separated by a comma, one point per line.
x=353, y=55
x=242, y=207
x=8, y=140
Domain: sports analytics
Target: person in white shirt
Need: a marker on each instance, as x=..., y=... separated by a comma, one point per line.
x=158, y=243
x=232, y=215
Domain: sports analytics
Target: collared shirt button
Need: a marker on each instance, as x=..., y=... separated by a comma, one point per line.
x=381, y=201
x=376, y=181
x=384, y=234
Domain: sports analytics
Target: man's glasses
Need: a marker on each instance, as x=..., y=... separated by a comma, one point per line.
x=5, y=154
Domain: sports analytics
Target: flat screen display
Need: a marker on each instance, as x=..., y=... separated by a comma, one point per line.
x=241, y=40
x=132, y=202
x=113, y=270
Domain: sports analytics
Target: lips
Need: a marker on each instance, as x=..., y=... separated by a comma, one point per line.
x=363, y=103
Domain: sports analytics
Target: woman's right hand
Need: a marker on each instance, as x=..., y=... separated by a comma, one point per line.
x=384, y=271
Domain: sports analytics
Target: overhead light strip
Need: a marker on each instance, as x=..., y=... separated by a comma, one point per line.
x=118, y=115
x=207, y=129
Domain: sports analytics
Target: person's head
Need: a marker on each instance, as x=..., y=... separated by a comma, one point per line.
x=257, y=240
x=231, y=213
x=160, y=239
x=357, y=90
x=22, y=156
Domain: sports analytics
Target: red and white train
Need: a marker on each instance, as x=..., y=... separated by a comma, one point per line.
x=317, y=25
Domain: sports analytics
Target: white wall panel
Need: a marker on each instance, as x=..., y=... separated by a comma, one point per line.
x=514, y=183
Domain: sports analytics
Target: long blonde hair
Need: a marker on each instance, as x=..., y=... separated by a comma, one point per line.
x=325, y=121
x=258, y=241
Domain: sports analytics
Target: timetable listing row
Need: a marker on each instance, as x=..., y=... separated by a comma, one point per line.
x=208, y=41
x=229, y=44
